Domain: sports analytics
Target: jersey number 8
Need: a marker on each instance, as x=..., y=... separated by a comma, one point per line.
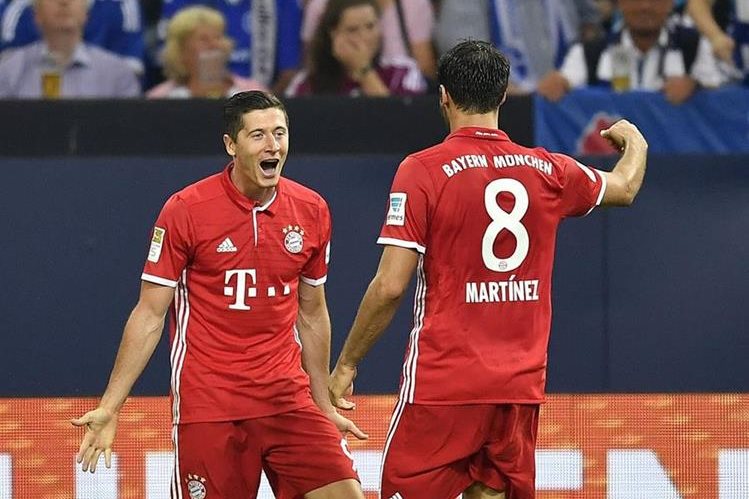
x=502, y=220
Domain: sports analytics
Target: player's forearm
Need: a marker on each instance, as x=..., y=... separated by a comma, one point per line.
x=139, y=340
x=628, y=173
x=375, y=314
x=314, y=332
x=701, y=12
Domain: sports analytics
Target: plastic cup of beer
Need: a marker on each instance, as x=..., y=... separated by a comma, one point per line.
x=620, y=64
x=51, y=84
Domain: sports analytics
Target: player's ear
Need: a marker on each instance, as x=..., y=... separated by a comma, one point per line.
x=229, y=145
x=504, y=98
x=444, y=97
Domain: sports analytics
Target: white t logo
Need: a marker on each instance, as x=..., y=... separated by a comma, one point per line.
x=241, y=291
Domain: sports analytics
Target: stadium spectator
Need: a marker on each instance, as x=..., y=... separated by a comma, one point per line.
x=731, y=47
x=534, y=34
x=648, y=53
x=267, y=46
x=606, y=16
x=195, y=57
x=407, y=28
x=61, y=64
x=243, y=256
x=345, y=57
x=114, y=25
x=475, y=217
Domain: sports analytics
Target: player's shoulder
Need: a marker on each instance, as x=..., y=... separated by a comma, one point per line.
x=542, y=151
x=197, y=193
x=429, y=157
x=429, y=154
x=558, y=161
x=300, y=194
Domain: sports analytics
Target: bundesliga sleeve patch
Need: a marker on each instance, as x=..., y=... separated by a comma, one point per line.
x=157, y=241
x=397, y=211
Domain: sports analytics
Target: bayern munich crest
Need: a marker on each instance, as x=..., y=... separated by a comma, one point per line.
x=196, y=487
x=294, y=240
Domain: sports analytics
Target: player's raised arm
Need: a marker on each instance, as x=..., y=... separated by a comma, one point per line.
x=624, y=181
x=139, y=339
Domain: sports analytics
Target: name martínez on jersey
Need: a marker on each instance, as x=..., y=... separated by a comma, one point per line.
x=502, y=291
x=469, y=161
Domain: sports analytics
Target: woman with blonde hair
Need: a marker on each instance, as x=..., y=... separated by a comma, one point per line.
x=196, y=56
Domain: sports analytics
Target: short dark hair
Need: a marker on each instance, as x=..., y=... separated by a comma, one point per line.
x=242, y=103
x=475, y=74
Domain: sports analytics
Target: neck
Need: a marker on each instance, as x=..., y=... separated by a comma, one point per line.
x=644, y=41
x=461, y=120
x=260, y=195
x=63, y=43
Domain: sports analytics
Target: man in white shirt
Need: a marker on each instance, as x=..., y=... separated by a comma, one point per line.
x=649, y=53
x=61, y=65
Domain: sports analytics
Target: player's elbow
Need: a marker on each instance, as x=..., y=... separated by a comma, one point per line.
x=627, y=195
x=622, y=199
x=388, y=290
x=630, y=191
x=146, y=319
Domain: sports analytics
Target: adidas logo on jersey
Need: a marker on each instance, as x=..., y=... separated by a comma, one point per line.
x=226, y=246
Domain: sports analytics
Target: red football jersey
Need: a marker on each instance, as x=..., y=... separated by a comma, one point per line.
x=483, y=213
x=236, y=267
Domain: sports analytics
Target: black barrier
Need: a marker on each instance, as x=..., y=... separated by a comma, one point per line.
x=319, y=125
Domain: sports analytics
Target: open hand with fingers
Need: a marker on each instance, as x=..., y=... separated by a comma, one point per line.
x=341, y=385
x=101, y=426
x=346, y=426
x=352, y=52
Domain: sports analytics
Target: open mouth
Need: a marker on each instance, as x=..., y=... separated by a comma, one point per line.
x=268, y=166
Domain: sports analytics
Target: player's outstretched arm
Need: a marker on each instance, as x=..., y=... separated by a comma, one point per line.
x=139, y=340
x=313, y=324
x=624, y=181
x=377, y=308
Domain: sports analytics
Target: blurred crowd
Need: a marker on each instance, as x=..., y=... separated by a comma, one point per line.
x=214, y=48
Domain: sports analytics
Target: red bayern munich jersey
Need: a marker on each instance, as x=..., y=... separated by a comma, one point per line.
x=236, y=266
x=483, y=213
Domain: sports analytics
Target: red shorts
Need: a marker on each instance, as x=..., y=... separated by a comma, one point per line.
x=300, y=451
x=436, y=452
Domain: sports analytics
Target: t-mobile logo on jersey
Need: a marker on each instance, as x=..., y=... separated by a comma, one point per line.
x=244, y=288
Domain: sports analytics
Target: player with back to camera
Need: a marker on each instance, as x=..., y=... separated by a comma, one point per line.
x=475, y=218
